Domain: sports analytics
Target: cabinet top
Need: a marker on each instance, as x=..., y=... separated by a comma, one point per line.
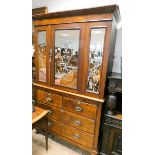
x=115, y=76
x=111, y=9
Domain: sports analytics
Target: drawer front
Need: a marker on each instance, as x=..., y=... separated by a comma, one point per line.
x=71, y=133
x=80, y=108
x=74, y=120
x=49, y=98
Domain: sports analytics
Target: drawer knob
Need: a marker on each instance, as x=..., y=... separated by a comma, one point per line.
x=78, y=108
x=76, y=136
x=49, y=124
x=78, y=123
x=48, y=99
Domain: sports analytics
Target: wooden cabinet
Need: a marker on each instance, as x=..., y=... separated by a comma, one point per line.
x=112, y=131
x=73, y=54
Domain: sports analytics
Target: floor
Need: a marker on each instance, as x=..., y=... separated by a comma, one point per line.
x=55, y=146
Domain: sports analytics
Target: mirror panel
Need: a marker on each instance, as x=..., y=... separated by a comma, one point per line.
x=66, y=57
x=95, y=59
x=42, y=55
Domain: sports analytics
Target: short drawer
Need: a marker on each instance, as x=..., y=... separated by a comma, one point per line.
x=71, y=133
x=74, y=120
x=80, y=108
x=49, y=98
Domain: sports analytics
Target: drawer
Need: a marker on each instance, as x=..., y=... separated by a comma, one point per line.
x=74, y=120
x=80, y=108
x=69, y=118
x=71, y=133
x=49, y=98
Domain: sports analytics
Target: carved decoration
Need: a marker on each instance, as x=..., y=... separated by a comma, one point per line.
x=114, y=122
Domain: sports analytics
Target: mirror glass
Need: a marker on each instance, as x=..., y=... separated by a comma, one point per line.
x=66, y=57
x=95, y=59
x=42, y=55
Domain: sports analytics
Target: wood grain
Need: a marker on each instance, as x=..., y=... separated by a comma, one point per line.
x=71, y=133
x=87, y=110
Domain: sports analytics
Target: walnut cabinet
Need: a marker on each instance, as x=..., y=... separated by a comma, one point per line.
x=73, y=55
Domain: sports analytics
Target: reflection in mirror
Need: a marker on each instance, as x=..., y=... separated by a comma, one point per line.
x=95, y=59
x=66, y=57
x=42, y=55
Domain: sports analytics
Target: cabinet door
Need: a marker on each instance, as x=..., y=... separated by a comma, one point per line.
x=42, y=54
x=67, y=45
x=96, y=57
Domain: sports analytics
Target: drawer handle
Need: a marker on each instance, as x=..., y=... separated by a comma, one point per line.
x=49, y=124
x=40, y=102
x=49, y=112
x=78, y=108
x=76, y=136
x=78, y=123
x=48, y=99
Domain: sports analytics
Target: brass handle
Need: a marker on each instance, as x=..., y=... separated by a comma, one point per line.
x=48, y=99
x=49, y=124
x=77, y=123
x=76, y=136
x=78, y=108
x=33, y=102
x=40, y=102
x=49, y=112
x=62, y=111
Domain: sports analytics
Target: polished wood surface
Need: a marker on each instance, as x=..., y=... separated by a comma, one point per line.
x=38, y=114
x=72, y=133
x=74, y=120
x=80, y=108
x=49, y=98
x=69, y=118
x=90, y=11
x=61, y=92
x=90, y=150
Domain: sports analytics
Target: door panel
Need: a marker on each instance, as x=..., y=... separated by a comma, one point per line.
x=67, y=45
x=42, y=54
x=97, y=37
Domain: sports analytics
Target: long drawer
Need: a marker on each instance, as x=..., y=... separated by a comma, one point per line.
x=79, y=108
x=74, y=120
x=71, y=133
x=49, y=98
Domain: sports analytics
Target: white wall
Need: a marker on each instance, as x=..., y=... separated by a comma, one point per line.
x=62, y=5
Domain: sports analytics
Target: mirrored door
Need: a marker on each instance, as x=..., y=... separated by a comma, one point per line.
x=67, y=47
x=66, y=57
x=96, y=46
x=95, y=58
x=41, y=54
